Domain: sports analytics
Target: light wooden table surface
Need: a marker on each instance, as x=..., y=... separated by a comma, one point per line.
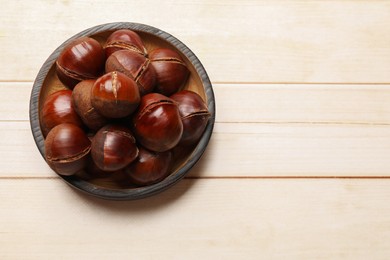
x=298, y=166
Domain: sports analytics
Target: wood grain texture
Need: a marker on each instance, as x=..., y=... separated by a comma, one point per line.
x=211, y=219
x=237, y=41
x=302, y=91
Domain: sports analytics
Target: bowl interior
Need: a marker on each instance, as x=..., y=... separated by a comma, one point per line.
x=112, y=187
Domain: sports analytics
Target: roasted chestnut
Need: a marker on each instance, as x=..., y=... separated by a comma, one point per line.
x=157, y=123
x=66, y=149
x=194, y=115
x=113, y=148
x=172, y=72
x=81, y=59
x=115, y=95
x=124, y=39
x=58, y=109
x=134, y=66
x=149, y=167
x=81, y=98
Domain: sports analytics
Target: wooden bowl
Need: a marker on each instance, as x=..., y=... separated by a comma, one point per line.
x=47, y=82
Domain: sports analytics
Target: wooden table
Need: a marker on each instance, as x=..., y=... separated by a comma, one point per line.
x=298, y=166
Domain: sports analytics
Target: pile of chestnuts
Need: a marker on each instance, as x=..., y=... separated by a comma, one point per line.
x=123, y=110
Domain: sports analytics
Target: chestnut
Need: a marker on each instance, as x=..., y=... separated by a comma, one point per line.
x=58, y=109
x=134, y=66
x=113, y=148
x=67, y=148
x=172, y=72
x=81, y=59
x=81, y=98
x=115, y=95
x=124, y=39
x=157, y=123
x=149, y=167
x=194, y=115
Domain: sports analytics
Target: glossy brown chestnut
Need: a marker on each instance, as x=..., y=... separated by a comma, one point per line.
x=113, y=148
x=194, y=115
x=66, y=149
x=157, y=123
x=149, y=167
x=58, y=109
x=124, y=39
x=81, y=98
x=81, y=59
x=172, y=72
x=114, y=95
x=134, y=66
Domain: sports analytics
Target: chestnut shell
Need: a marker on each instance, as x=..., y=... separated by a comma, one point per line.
x=66, y=149
x=124, y=39
x=149, y=167
x=172, y=72
x=113, y=148
x=194, y=115
x=134, y=66
x=114, y=95
x=81, y=98
x=58, y=109
x=81, y=59
x=157, y=123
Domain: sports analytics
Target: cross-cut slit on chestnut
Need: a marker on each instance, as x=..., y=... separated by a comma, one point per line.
x=125, y=46
x=134, y=66
x=199, y=113
x=173, y=60
x=71, y=158
x=152, y=105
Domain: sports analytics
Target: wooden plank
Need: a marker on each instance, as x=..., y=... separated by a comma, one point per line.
x=212, y=219
x=19, y=155
x=15, y=100
x=297, y=150
x=237, y=41
x=301, y=103
x=267, y=103
x=257, y=150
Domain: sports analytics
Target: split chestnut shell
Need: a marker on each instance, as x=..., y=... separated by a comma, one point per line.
x=134, y=66
x=81, y=100
x=57, y=109
x=157, y=123
x=124, y=39
x=171, y=71
x=81, y=59
x=66, y=149
x=113, y=148
x=114, y=95
x=194, y=115
x=149, y=167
